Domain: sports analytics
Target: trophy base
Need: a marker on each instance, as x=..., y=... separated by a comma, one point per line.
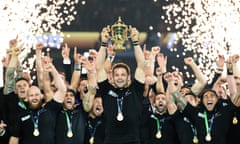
x=120, y=49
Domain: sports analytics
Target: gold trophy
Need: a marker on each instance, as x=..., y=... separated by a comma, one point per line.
x=119, y=34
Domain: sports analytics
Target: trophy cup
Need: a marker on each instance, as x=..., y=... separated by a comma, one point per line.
x=119, y=34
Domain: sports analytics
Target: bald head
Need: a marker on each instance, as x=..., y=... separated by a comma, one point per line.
x=34, y=96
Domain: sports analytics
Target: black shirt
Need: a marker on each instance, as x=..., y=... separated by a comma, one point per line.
x=219, y=120
x=46, y=125
x=95, y=128
x=234, y=132
x=14, y=108
x=166, y=128
x=184, y=127
x=127, y=130
x=5, y=138
x=77, y=119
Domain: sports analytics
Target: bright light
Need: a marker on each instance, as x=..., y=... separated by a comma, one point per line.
x=207, y=28
x=30, y=19
x=151, y=28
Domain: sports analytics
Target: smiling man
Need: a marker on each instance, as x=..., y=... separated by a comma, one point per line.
x=37, y=124
x=212, y=118
x=71, y=121
x=122, y=98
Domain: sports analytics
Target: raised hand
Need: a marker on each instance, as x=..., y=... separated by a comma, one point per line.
x=65, y=51
x=188, y=60
x=220, y=61
x=89, y=65
x=39, y=45
x=162, y=62
x=105, y=34
x=155, y=50
x=134, y=34
x=235, y=58
x=77, y=56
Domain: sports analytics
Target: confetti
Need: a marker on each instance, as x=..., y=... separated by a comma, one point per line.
x=207, y=28
x=30, y=20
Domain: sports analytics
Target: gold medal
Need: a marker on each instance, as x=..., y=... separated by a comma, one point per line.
x=36, y=132
x=208, y=137
x=235, y=120
x=120, y=116
x=158, y=134
x=195, y=140
x=69, y=133
x=91, y=140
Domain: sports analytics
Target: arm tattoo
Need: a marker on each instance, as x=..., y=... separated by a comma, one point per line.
x=181, y=102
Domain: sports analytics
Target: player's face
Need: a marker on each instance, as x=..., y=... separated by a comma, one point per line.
x=120, y=77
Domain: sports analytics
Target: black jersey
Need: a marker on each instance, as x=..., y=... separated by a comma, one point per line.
x=162, y=130
x=129, y=101
x=94, y=130
x=186, y=131
x=46, y=120
x=77, y=122
x=218, y=122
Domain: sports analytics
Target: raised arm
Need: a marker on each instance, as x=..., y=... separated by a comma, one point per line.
x=236, y=70
x=59, y=83
x=39, y=66
x=88, y=99
x=150, y=60
x=108, y=62
x=139, y=56
x=48, y=91
x=13, y=51
x=67, y=64
x=201, y=82
x=100, y=60
x=173, y=90
x=77, y=70
x=231, y=81
x=160, y=70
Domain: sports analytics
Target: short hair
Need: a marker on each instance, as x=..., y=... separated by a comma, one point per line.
x=159, y=93
x=121, y=65
x=72, y=91
x=207, y=90
x=22, y=78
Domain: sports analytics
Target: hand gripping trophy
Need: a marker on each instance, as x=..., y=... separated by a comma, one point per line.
x=119, y=35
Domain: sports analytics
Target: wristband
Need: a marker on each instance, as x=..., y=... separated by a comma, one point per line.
x=104, y=44
x=77, y=67
x=135, y=43
x=220, y=69
x=230, y=70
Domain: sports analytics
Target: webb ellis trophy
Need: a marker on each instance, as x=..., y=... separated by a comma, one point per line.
x=119, y=35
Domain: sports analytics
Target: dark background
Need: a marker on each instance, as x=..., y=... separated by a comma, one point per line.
x=96, y=14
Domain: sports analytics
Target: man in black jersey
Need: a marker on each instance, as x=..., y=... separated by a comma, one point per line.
x=122, y=99
x=94, y=132
x=71, y=121
x=37, y=124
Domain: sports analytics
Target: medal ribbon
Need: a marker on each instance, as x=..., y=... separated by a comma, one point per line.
x=208, y=128
x=92, y=130
x=120, y=104
x=192, y=126
x=158, y=122
x=22, y=105
x=35, y=119
x=69, y=123
x=193, y=130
